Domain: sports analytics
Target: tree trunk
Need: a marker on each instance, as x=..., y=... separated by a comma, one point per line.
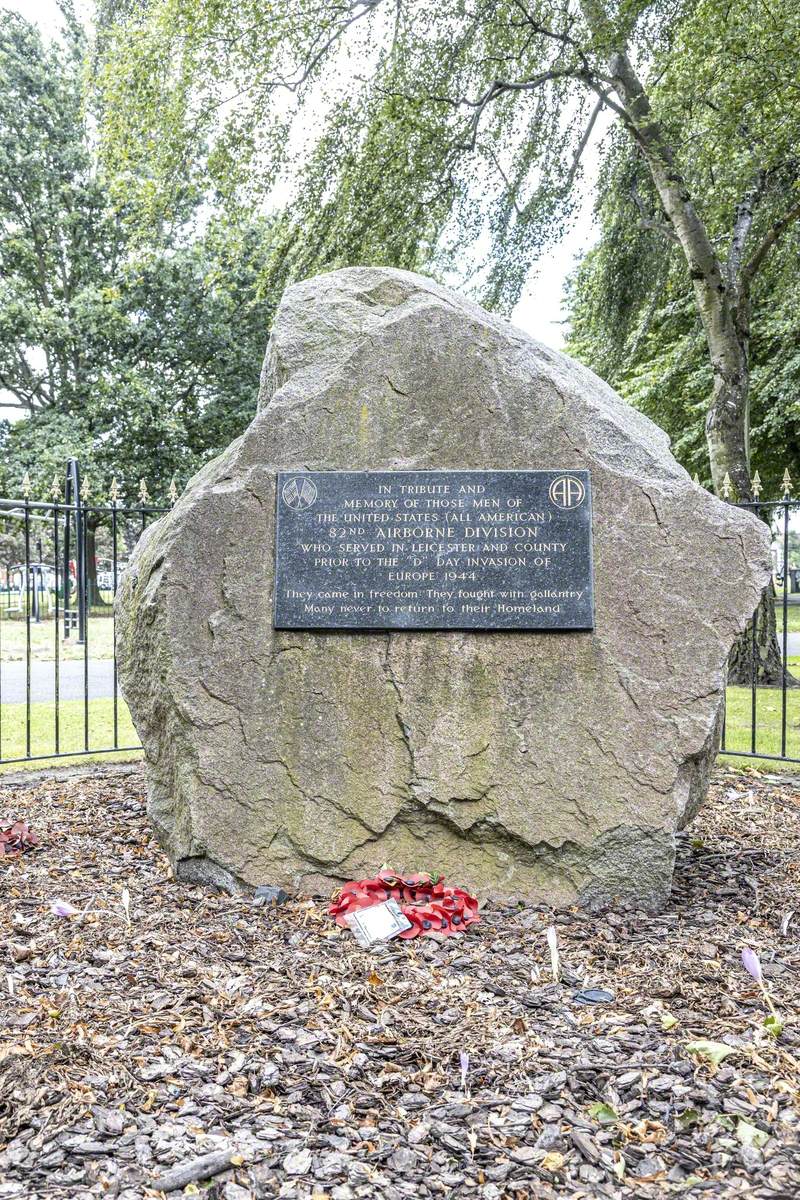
x=760, y=661
x=93, y=591
x=723, y=300
x=728, y=420
x=753, y=658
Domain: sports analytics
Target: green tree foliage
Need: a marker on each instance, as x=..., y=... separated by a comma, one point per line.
x=368, y=108
x=424, y=131
x=138, y=356
x=632, y=319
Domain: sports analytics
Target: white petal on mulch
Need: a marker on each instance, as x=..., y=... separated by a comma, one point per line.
x=299, y=1163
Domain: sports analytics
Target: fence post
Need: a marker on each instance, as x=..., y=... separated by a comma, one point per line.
x=72, y=500
x=26, y=493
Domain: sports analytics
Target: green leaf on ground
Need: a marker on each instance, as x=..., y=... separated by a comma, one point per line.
x=712, y=1052
x=751, y=1135
x=603, y=1113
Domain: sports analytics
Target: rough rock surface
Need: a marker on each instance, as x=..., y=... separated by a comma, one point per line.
x=544, y=764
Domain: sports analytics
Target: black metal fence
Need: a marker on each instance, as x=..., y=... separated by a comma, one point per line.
x=64, y=557
x=771, y=729
x=59, y=692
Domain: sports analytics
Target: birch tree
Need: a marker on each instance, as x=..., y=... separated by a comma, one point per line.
x=444, y=127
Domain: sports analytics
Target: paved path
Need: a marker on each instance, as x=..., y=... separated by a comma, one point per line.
x=70, y=685
x=792, y=642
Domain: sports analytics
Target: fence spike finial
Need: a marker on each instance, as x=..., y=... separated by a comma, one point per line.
x=173, y=491
x=696, y=479
x=85, y=488
x=55, y=488
x=144, y=495
x=727, y=487
x=786, y=483
x=114, y=491
x=756, y=485
x=26, y=486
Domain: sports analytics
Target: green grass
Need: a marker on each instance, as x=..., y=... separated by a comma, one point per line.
x=793, y=614
x=9, y=601
x=71, y=732
x=100, y=640
x=738, y=718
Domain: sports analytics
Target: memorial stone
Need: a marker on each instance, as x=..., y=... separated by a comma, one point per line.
x=448, y=604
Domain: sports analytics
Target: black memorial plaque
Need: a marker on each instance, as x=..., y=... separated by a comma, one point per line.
x=433, y=550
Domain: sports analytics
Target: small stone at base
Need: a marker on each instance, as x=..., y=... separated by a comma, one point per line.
x=594, y=996
x=267, y=894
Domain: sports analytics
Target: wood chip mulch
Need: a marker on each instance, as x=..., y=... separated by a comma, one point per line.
x=164, y=1037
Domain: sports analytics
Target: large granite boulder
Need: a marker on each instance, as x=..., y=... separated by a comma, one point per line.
x=555, y=766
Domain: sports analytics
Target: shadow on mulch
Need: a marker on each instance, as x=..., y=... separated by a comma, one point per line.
x=161, y=1024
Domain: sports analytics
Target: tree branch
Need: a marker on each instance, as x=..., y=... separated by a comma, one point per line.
x=562, y=36
x=741, y=226
x=587, y=133
x=691, y=233
x=646, y=221
x=594, y=83
x=25, y=398
x=509, y=186
x=498, y=87
x=752, y=268
x=644, y=325
x=18, y=403
x=35, y=384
